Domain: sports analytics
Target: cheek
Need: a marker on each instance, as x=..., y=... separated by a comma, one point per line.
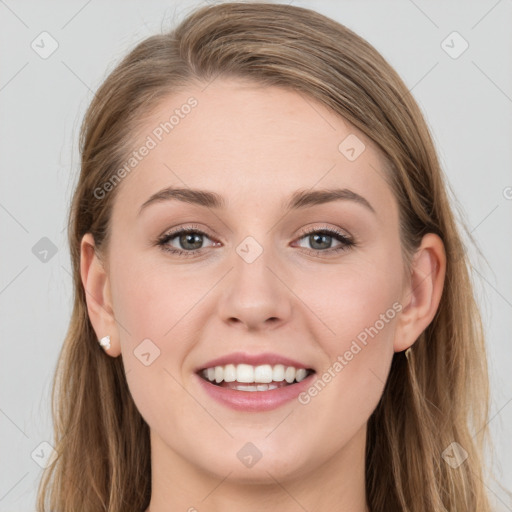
x=361, y=312
x=152, y=303
x=358, y=306
x=352, y=299
x=151, y=300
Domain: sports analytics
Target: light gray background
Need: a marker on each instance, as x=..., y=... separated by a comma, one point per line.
x=467, y=102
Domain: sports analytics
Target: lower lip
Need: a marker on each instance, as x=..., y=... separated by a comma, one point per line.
x=255, y=400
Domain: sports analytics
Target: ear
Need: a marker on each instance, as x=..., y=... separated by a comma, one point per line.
x=422, y=292
x=96, y=284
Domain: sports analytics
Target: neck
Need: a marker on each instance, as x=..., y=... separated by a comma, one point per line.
x=338, y=484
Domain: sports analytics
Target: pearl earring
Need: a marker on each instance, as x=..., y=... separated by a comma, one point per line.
x=105, y=342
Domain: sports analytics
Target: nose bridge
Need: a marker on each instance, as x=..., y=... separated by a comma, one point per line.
x=255, y=296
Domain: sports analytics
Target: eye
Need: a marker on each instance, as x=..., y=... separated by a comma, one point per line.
x=321, y=240
x=189, y=239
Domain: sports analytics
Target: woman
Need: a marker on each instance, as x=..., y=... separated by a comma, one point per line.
x=272, y=301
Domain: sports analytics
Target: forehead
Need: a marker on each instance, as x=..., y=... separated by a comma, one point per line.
x=250, y=143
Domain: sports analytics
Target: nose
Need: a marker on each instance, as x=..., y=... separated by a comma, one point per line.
x=256, y=295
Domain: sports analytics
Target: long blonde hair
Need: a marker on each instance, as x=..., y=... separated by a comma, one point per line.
x=437, y=395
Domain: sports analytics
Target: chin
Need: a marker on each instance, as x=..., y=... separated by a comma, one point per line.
x=258, y=462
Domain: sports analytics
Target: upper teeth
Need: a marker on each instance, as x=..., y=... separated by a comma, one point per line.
x=247, y=373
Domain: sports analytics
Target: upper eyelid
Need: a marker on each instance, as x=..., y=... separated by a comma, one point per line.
x=185, y=229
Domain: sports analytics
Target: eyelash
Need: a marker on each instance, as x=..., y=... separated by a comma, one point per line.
x=346, y=241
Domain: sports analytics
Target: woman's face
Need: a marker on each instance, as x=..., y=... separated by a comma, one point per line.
x=275, y=271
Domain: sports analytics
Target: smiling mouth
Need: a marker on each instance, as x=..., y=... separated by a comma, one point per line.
x=246, y=377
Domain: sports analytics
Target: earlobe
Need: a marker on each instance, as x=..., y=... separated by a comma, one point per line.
x=96, y=285
x=423, y=292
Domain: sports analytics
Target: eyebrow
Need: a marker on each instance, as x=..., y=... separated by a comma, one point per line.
x=298, y=200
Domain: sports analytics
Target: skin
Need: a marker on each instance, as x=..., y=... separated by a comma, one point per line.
x=256, y=146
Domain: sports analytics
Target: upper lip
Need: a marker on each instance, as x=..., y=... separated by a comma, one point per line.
x=253, y=359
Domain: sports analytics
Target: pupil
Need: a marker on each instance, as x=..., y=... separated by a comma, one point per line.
x=313, y=240
x=190, y=237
